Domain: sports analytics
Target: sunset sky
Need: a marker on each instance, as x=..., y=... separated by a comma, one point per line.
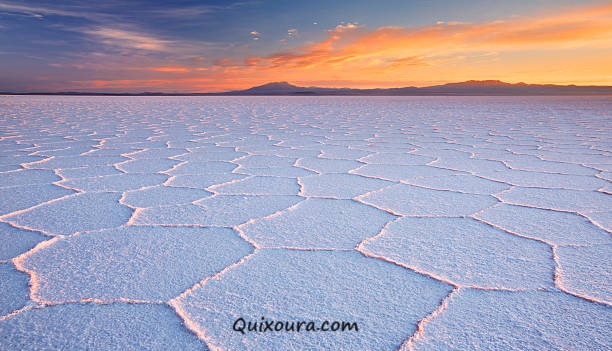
x=209, y=46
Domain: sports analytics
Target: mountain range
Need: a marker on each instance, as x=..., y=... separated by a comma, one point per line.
x=471, y=87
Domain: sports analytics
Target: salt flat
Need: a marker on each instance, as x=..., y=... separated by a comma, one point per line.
x=433, y=223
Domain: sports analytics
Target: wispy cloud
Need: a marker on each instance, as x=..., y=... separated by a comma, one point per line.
x=100, y=26
x=101, y=12
x=392, y=56
x=10, y=8
x=398, y=46
x=128, y=39
x=183, y=12
x=132, y=54
x=42, y=11
x=342, y=27
x=105, y=24
x=170, y=69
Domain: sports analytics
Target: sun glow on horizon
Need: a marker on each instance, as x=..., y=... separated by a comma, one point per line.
x=568, y=46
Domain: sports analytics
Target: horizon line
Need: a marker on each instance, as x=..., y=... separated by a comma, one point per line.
x=481, y=84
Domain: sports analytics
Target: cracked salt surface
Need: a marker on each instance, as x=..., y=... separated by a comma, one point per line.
x=402, y=172
x=23, y=197
x=434, y=223
x=586, y=270
x=324, y=165
x=94, y=326
x=120, y=182
x=465, y=252
x=417, y=201
x=87, y=172
x=385, y=300
x=521, y=321
x=220, y=210
x=16, y=241
x=561, y=228
x=201, y=168
x=258, y=185
x=14, y=289
x=162, y=196
x=135, y=263
x=147, y=165
x=73, y=213
x=318, y=223
x=342, y=186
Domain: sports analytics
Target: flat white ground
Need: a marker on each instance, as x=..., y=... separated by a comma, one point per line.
x=434, y=223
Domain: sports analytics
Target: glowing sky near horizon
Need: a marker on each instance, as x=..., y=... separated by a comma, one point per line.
x=207, y=46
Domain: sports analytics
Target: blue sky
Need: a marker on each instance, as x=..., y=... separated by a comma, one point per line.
x=76, y=45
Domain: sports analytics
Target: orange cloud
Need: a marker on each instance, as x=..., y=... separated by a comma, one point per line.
x=389, y=45
x=128, y=39
x=170, y=69
x=437, y=51
x=164, y=85
x=568, y=47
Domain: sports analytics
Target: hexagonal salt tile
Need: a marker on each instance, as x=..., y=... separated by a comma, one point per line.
x=466, y=252
x=344, y=186
x=603, y=219
x=585, y=270
x=386, y=301
x=162, y=196
x=21, y=197
x=544, y=180
x=287, y=172
x=58, y=162
x=27, y=177
x=558, y=199
x=326, y=165
x=203, y=181
x=319, y=223
x=77, y=213
x=98, y=327
x=219, y=210
x=88, y=172
x=14, y=290
x=396, y=158
x=553, y=226
x=120, y=182
x=147, y=165
x=526, y=320
x=264, y=161
x=157, y=153
x=459, y=182
x=402, y=172
x=416, y=201
x=257, y=185
x=223, y=154
x=206, y=167
x=16, y=241
x=135, y=262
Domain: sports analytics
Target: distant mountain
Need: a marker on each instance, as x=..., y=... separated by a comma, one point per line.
x=470, y=87
x=284, y=88
x=274, y=88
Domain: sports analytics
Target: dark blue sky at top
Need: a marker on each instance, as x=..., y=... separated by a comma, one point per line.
x=40, y=39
